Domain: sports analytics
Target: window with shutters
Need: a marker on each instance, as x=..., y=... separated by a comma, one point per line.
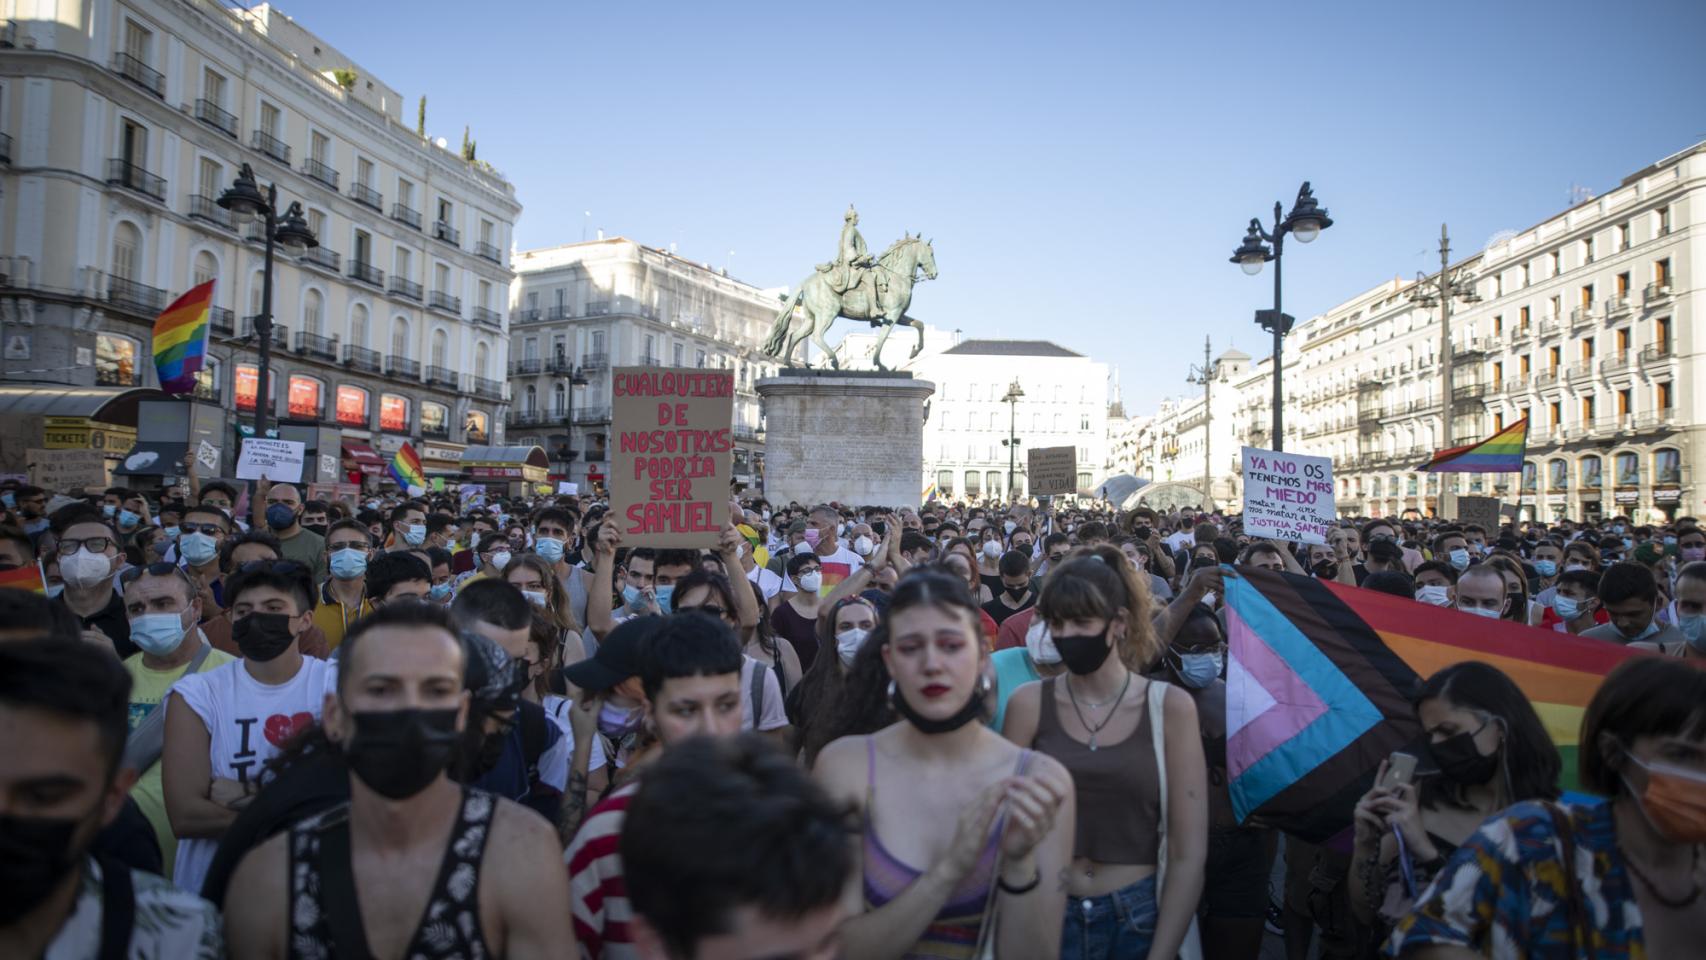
x=440, y=347
x=127, y=247
x=313, y=312
x=213, y=86
x=209, y=178
x=271, y=120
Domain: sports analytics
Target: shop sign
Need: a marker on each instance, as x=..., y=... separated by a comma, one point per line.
x=432, y=451
x=1669, y=493
x=496, y=473
x=1626, y=495
x=82, y=433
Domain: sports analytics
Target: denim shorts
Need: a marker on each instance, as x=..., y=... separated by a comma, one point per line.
x=1114, y=926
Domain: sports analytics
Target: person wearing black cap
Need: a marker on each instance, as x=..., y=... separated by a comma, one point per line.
x=610, y=689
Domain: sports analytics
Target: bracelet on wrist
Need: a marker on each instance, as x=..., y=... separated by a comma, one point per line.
x=1005, y=887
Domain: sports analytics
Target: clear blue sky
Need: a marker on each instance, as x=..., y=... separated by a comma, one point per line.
x=1085, y=169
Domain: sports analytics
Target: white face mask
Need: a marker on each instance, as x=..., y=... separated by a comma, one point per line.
x=1009, y=526
x=848, y=642
x=1481, y=612
x=991, y=549
x=1433, y=594
x=500, y=560
x=1039, y=644
x=1210, y=597
x=535, y=597
x=85, y=569
x=810, y=582
x=863, y=546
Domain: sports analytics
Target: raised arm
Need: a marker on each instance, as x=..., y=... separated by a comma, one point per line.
x=728, y=552
x=604, y=546
x=1203, y=580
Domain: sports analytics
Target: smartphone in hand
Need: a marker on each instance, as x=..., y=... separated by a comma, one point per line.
x=1400, y=769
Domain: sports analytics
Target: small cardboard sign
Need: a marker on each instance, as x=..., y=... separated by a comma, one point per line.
x=567, y=489
x=279, y=460
x=207, y=455
x=670, y=464
x=67, y=471
x=1052, y=471
x=1288, y=496
x=1481, y=511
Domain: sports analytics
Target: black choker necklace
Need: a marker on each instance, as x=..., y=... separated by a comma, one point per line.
x=966, y=714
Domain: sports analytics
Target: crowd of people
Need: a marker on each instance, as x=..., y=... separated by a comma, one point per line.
x=237, y=722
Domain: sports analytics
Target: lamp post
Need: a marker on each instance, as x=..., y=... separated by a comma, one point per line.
x=1014, y=394
x=290, y=232
x=1205, y=375
x=1306, y=221
x=576, y=379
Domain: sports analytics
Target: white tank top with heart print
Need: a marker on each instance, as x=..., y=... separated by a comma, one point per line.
x=248, y=723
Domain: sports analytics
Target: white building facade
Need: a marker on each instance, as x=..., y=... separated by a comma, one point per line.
x=587, y=307
x=1582, y=324
x=1065, y=403
x=124, y=122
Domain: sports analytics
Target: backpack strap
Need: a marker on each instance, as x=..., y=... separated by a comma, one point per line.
x=756, y=694
x=118, y=909
x=337, y=891
x=534, y=736
x=143, y=747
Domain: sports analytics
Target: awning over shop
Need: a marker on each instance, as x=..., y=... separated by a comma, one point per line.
x=153, y=458
x=365, y=459
x=109, y=404
x=506, y=463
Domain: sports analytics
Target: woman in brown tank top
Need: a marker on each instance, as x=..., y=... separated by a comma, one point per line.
x=1096, y=720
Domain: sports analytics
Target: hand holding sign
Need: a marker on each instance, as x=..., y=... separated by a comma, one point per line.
x=1288, y=496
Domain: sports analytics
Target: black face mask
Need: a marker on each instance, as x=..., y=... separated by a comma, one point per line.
x=1326, y=570
x=1461, y=762
x=398, y=752
x=966, y=714
x=319, y=528
x=35, y=853
x=262, y=636
x=1084, y=654
x=1019, y=593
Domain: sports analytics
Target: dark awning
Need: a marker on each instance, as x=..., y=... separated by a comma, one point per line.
x=153, y=459
x=365, y=459
x=532, y=455
x=107, y=404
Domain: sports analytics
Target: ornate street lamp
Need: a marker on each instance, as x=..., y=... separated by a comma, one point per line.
x=1014, y=394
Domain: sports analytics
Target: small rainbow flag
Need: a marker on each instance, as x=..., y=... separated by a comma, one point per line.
x=1500, y=453
x=26, y=577
x=406, y=468
x=180, y=339
x=1319, y=678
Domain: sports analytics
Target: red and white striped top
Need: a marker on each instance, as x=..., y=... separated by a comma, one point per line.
x=597, y=890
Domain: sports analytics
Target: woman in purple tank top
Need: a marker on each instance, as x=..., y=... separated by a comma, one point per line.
x=966, y=837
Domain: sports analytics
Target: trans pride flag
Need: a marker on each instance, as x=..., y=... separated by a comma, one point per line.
x=180, y=339
x=406, y=470
x=1500, y=453
x=1319, y=678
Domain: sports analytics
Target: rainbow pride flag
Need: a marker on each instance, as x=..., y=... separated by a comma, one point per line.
x=180, y=339
x=26, y=577
x=406, y=469
x=1500, y=453
x=1319, y=678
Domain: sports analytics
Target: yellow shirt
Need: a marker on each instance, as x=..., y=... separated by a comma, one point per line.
x=333, y=618
x=148, y=689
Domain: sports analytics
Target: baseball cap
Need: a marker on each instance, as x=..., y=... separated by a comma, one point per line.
x=618, y=657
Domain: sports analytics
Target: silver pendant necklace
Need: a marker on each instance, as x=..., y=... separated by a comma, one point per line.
x=1094, y=730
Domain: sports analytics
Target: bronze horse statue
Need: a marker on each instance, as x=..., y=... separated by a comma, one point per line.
x=881, y=300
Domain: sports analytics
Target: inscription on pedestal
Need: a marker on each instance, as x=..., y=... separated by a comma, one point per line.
x=856, y=440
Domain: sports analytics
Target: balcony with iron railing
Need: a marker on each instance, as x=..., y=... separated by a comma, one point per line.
x=361, y=358
x=1522, y=333
x=1470, y=391
x=745, y=432
x=486, y=316
x=487, y=251
x=1661, y=420
x=216, y=117
x=408, y=215
x=367, y=273
x=438, y=376
x=598, y=308
x=402, y=287
x=1510, y=385
x=447, y=233
x=1616, y=363
x=439, y=432
x=135, y=297
x=1616, y=306
x=559, y=312
x=528, y=418
x=1656, y=353
x=649, y=361
x=1546, y=378
x=140, y=74
x=316, y=346
x=486, y=388
x=270, y=145
x=439, y=300
x=1472, y=346
x=526, y=367
x=321, y=171
x=595, y=361
x=222, y=322
x=559, y=364
x=524, y=316
x=1579, y=370
x=402, y=368
x=1550, y=328
x=367, y=196
x=204, y=208
x=280, y=333
x=1581, y=316
x=592, y=414
x=131, y=176
x=323, y=257
x=1658, y=290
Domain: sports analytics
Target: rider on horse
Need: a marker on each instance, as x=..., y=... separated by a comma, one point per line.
x=852, y=259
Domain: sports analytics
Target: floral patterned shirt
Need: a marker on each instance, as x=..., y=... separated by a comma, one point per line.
x=168, y=922
x=1504, y=893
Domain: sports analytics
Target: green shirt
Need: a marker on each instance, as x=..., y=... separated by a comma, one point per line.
x=309, y=549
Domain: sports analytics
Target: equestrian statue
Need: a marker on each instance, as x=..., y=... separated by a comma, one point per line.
x=857, y=286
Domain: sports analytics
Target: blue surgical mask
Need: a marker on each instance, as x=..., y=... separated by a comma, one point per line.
x=1546, y=568
x=348, y=563
x=9, y=499
x=1693, y=626
x=663, y=595
x=1481, y=612
x=440, y=590
x=414, y=536
x=1652, y=628
x=1460, y=558
x=1670, y=540
x=128, y=519
x=550, y=549
x=634, y=597
x=198, y=548
x=1198, y=670
x=1567, y=608
x=171, y=533
x=108, y=510
x=158, y=633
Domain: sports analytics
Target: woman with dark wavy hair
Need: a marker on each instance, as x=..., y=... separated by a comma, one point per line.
x=846, y=629
x=965, y=835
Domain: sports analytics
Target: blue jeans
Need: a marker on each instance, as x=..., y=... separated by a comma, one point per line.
x=1114, y=926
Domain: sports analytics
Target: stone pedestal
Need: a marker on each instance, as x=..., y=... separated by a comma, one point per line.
x=853, y=436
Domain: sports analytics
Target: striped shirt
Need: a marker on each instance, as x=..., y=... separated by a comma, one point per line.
x=598, y=893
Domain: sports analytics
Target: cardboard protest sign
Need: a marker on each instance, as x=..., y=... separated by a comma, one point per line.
x=60, y=471
x=1288, y=496
x=1481, y=511
x=670, y=464
x=1052, y=471
x=279, y=460
x=207, y=455
x=565, y=488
